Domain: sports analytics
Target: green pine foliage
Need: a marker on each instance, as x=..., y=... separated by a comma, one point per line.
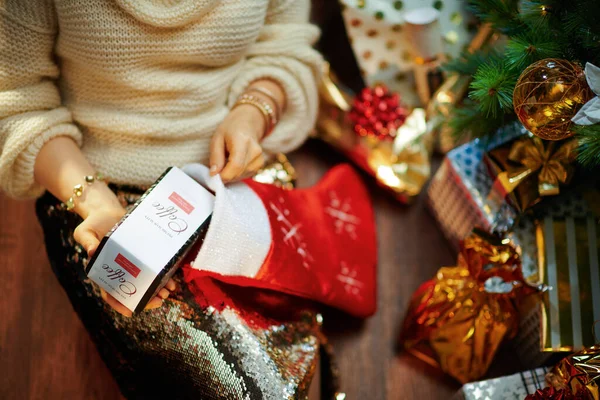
x=470, y=121
x=502, y=14
x=493, y=86
x=589, y=144
x=535, y=29
x=524, y=49
x=467, y=63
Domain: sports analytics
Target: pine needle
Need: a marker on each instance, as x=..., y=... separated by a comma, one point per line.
x=469, y=123
x=589, y=145
x=467, y=63
x=523, y=50
x=493, y=86
x=502, y=14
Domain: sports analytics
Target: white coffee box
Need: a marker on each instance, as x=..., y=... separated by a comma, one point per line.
x=139, y=255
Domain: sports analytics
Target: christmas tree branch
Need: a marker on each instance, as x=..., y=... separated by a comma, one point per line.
x=589, y=145
x=502, y=14
x=493, y=86
x=467, y=63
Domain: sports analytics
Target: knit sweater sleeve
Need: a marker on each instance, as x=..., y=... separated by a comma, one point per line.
x=284, y=53
x=30, y=106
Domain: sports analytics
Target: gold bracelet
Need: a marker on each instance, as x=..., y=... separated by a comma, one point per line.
x=276, y=82
x=78, y=190
x=263, y=106
x=269, y=95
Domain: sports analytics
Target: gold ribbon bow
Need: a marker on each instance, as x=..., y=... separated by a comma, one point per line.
x=549, y=162
x=403, y=165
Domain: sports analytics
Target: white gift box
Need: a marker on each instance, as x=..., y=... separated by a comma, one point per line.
x=139, y=255
x=512, y=387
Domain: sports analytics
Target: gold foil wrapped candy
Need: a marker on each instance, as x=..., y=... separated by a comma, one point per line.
x=530, y=169
x=579, y=374
x=277, y=171
x=458, y=319
x=399, y=162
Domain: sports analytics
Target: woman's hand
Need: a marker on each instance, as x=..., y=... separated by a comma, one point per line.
x=99, y=219
x=237, y=141
x=59, y=166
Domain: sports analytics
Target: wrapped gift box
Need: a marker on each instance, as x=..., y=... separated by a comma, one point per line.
x=512, y=387
x=458, y=193
x=381, y=47
x=563, y=240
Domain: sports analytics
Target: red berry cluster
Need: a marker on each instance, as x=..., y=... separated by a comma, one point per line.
x=378, y=113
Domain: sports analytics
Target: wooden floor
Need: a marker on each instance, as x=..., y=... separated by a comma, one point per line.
x=45, y=352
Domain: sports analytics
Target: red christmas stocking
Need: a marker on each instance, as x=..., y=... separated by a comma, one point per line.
x=317, y=243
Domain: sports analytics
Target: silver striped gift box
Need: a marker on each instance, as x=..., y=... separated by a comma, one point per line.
x=568, y=260
x=560, y=249
x=511, y=387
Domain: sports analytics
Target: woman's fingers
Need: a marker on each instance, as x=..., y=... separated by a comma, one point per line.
x=257, y=163
x=171, y=285
x=86, y=238
x=154, y=303
x=163, y=293
x=238, y=158
x=254, y=166
x=217, y=153
x=114, y=303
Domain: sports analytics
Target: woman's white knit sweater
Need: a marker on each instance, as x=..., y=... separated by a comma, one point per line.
x=142, y=84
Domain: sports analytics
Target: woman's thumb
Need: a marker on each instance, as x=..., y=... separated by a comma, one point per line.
x=86, y=238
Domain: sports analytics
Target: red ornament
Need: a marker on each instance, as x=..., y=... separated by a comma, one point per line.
x=377, y=113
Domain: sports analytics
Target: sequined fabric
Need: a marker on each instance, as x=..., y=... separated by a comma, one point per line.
x=235, y=343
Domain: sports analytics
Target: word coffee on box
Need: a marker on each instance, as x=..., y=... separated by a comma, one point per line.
x=139, y=255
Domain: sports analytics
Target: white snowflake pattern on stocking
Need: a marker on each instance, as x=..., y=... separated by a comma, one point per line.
x=341, y=212
x=292, y=235
x=348, y=277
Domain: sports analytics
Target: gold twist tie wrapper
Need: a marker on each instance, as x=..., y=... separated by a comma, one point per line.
x=529, y=170
x=579, y=374
x=401, y=166
x=278, y=171
x=457, y=320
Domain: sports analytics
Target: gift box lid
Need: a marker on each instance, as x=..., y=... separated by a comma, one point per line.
x=467, y=164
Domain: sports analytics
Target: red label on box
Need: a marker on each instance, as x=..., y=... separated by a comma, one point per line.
x=181, y=203
x=127, y=265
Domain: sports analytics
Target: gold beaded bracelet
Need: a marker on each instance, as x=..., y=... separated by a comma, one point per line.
x=263, y=106
x=268, y=94
x=78, y=190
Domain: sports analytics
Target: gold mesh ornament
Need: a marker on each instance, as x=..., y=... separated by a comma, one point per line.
x=548, y=94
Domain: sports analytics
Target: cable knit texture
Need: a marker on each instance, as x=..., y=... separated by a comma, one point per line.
x=142, y=84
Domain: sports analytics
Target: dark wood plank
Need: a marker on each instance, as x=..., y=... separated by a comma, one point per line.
x=46, y=353
x=411, y=249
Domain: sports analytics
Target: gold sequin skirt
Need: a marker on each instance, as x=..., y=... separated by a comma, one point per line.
x=215, y=342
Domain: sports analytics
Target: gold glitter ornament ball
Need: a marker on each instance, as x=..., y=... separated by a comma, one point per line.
x=548, y=94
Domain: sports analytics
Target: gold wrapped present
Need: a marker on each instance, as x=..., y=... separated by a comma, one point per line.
x=459, y=319
x=578, y=374
x=397, y=156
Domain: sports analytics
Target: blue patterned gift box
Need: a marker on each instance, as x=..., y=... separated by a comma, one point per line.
x=512, y=387
x=457, y=195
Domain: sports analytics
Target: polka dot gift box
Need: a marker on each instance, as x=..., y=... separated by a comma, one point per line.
x=376, y=31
